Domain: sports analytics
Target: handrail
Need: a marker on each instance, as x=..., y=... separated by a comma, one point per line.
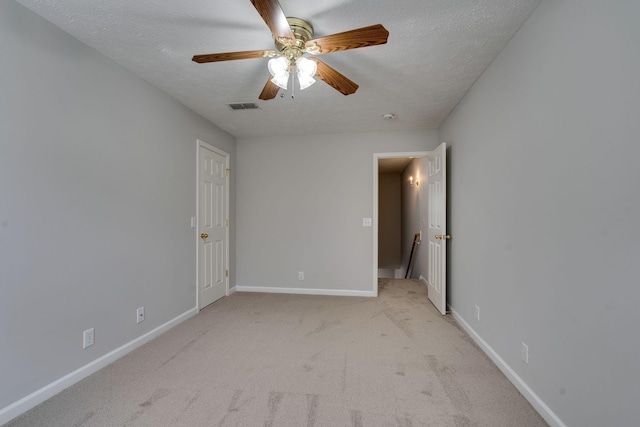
x=416, y=242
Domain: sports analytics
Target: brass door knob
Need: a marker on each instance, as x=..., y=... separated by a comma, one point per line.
x=204, y=235
x=438, y=236
x=447, y=236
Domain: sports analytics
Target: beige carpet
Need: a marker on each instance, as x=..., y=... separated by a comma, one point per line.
x=294, y=360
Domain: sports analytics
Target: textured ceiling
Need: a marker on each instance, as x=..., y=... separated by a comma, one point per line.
x=436, y=51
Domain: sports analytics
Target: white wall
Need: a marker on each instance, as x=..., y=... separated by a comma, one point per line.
x=389, y=221
x=97, y=187
x=545, y=208
x=301, y=201
x=414, y=216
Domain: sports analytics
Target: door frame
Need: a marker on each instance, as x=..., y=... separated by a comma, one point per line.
x=376, y=158
x=201, y=144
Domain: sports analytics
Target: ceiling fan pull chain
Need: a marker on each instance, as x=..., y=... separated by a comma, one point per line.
x=293, y=85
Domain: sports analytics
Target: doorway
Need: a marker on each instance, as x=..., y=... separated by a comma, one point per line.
x=425, y=186
x=393, y=164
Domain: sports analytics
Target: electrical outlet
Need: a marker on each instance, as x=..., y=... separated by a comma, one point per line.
x=140, y=315
x=477, y=313
x=300, y=275
x=525, y=353
x=366, y=222
x=87, y=338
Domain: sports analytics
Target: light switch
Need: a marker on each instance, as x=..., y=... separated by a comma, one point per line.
x=194, y=222
x=366, y=222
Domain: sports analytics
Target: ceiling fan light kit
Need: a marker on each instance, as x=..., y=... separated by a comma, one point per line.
x=306, y=70
x=293, y=39
x=279, y=69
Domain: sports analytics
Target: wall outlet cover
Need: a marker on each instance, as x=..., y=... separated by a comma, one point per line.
x=139, y=314
x=88, y=338
x=525, y=353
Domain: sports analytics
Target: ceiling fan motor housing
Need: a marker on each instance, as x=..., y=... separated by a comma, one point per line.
x=302, y=31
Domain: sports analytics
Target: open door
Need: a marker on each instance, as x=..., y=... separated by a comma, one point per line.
x=437, y=228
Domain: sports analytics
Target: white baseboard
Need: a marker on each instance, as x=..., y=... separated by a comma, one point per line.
x=304, y=291
x=538, y=404
x=390, y=273
x=424, y=281
x=232, y=290
x=386, y=273
x=23, y=405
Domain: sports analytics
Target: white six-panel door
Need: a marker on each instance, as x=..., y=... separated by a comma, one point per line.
x=437, y=228
x=212, y=226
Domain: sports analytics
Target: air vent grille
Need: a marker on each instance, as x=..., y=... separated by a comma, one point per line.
x=243, y=106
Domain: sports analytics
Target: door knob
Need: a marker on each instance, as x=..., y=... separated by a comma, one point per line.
x=438, y=236
x=204, y=235
x=447, y=236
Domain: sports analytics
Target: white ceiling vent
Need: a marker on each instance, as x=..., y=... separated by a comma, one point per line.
x=243, y=106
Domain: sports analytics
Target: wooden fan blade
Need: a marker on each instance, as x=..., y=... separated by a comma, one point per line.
x=230, y=56
x=361, y=37
x=270, y=91
x=334, y=79
x=274, y=17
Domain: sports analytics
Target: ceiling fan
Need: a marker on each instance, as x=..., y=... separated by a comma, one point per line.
x=293, y=38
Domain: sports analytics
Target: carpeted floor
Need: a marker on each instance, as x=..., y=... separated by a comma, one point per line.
x=298, y=360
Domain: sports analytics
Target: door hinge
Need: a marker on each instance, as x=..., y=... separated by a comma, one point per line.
x=226, y=172
x=226, y=222
x=226, y=273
